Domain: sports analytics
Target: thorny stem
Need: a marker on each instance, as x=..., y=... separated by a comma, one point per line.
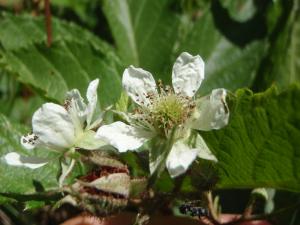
x=48, y=22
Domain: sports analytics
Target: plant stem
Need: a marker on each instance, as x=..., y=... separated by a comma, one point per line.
x=4, y=218
x=249, y=208
x=48, y=22
x=142, y=219
x=214, y=217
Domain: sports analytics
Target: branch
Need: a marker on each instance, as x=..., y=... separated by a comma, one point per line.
x=4, y=219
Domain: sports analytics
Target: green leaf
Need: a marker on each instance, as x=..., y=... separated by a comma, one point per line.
x=226, y=64
x=74, y=59
x=282, y=64
x=151, y=34
x=240, y=10
x=17, y=181
x=260, y=146
x=85, y=10
x=144, y=31
x=291, y=64
x=5, y=200
x=137, y=166
x=30, y=205
x=24, y=30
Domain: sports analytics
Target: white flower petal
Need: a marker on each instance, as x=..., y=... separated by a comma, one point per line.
x=122, y=136
x=211, y=112
x=15, y=159
x=203, y=150
x=76, y=108
x=92, y=98
x=188, y=73
x=138, y=83
x=98, y=119
x=78, y=118
x=180, y=158
x=54, y=127
x=29, y=141
x=79, y=104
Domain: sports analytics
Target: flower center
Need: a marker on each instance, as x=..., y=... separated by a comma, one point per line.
x=166, y=110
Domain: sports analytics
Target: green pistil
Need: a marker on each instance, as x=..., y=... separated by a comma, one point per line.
x=168, y=112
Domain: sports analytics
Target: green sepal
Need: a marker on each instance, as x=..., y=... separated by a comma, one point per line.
x=117, y=183
x=88, y=141
x=137, y=187
x=104, y=158
x=160, y=149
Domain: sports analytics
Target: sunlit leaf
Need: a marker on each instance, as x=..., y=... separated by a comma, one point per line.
x=260, y=146
x=20, y=180
x=282, y=64
x=151, y=34
x=74, y=59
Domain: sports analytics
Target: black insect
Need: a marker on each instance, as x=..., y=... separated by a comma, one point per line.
x=192, y=210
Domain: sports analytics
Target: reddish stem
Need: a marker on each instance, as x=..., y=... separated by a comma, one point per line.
x=48, y=22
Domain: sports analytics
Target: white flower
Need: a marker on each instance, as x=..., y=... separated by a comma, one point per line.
x=61, y=128
x=163, y=109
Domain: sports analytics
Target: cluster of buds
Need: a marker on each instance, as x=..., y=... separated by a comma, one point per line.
x=107, y=188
